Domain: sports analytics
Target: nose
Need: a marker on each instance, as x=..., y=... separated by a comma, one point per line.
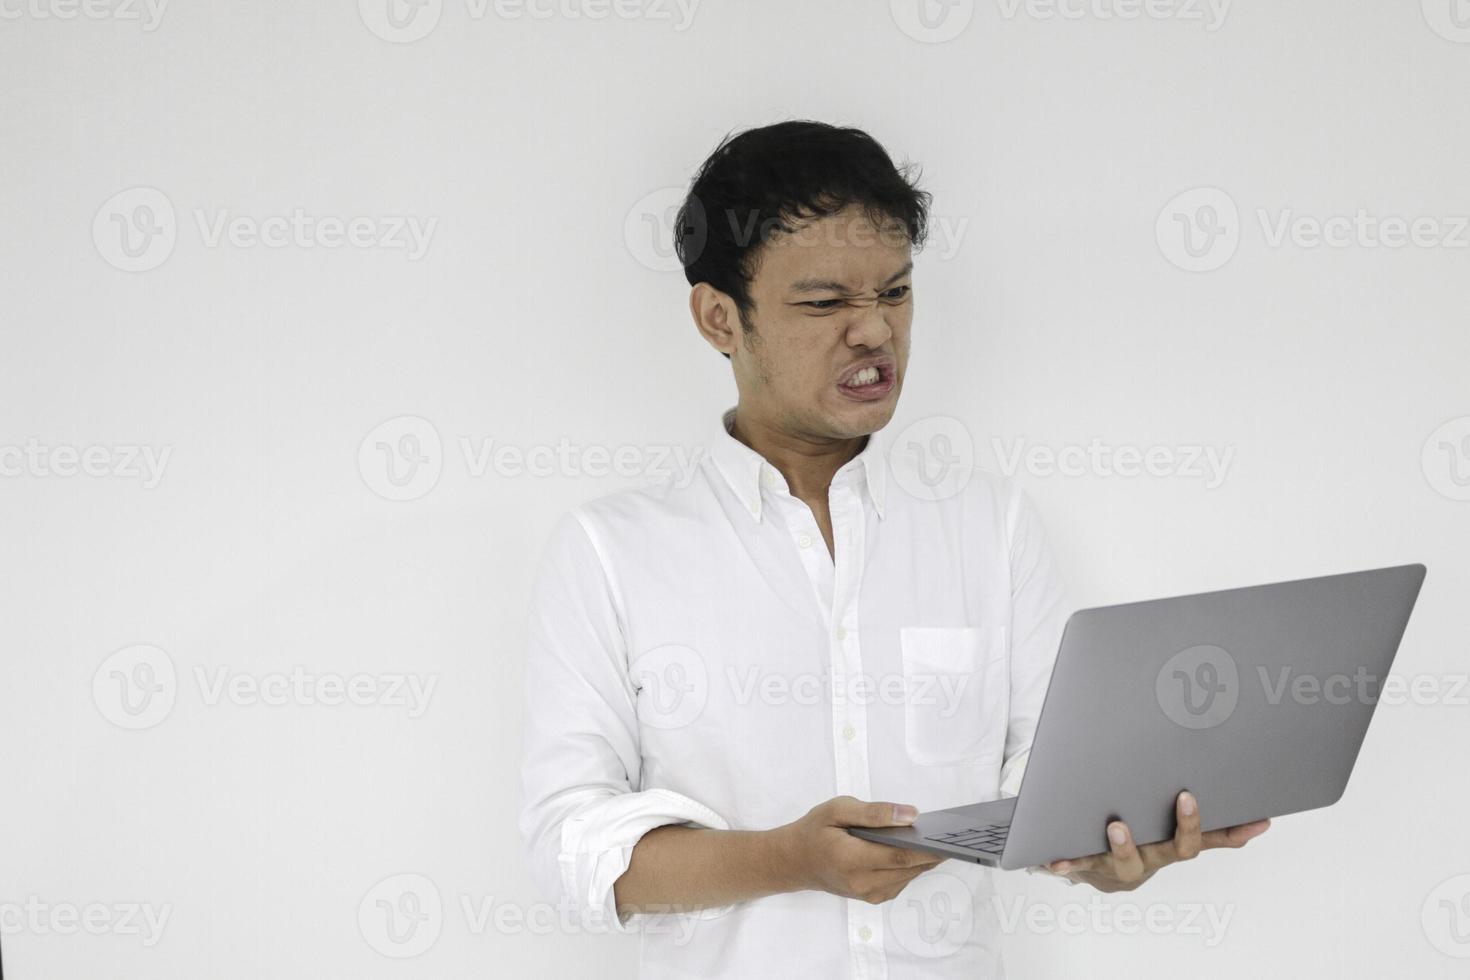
x=868, y=326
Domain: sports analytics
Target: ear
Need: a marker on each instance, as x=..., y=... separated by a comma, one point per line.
x=715, y=317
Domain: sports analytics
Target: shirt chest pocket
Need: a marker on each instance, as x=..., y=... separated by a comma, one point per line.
x=956, y=694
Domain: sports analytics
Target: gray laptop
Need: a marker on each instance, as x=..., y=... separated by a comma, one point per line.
x=1256, y=700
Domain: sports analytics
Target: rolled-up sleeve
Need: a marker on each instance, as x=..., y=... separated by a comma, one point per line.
x=1038, y=616
x=582, y=809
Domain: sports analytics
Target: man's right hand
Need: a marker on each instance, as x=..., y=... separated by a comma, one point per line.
x=820, y=854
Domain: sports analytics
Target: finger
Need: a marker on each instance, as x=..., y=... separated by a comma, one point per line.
x=849, y=812
x=1090, y=862
x=1187, y=838
x=1237, y=836
x=909, y=874
x=881, y=881
x=1122, y=853
x=890, y=884
x=1127, y=862
x=902, y=878
x=900, y=858
x=871, y=854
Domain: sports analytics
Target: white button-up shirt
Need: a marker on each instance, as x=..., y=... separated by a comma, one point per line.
x=697, y=656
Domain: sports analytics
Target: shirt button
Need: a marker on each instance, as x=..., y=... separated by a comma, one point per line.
x=848, y=732
x=865, y=933
x=804, y=540
x=841, y=633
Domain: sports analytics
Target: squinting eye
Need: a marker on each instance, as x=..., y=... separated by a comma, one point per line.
x=822, y=304
x=897, y=292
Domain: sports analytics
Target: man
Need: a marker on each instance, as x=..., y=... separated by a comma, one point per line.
x=809, y=619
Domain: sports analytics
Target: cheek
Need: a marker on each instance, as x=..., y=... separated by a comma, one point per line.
x=899, y=324
x=804, y=352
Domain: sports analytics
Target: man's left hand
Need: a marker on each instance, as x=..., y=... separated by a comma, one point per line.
x=1125, y=865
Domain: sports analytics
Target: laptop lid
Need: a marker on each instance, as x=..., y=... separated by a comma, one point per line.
x=1254, y=699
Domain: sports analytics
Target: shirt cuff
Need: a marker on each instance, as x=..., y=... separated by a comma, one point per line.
x=1011, y=773
x=597, y=845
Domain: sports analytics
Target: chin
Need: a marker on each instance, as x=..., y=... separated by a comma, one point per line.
x=863, y=420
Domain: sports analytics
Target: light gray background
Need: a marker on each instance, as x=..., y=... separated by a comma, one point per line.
x=1336, y=377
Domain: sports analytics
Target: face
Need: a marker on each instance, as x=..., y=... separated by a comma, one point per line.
x=833, y=308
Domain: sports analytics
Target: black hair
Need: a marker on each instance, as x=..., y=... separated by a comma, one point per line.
x=758, y=182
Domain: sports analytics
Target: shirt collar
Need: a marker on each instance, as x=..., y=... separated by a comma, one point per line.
x=744, y=469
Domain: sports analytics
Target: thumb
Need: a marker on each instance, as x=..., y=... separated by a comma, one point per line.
x=848, y=812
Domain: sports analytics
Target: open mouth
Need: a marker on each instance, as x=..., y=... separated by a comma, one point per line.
x=869, y=382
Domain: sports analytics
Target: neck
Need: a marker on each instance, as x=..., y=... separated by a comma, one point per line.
x=807, y=463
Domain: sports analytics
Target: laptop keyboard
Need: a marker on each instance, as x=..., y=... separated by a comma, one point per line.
x=991, y=838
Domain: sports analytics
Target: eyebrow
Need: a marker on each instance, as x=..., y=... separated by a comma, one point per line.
x=825, y=285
